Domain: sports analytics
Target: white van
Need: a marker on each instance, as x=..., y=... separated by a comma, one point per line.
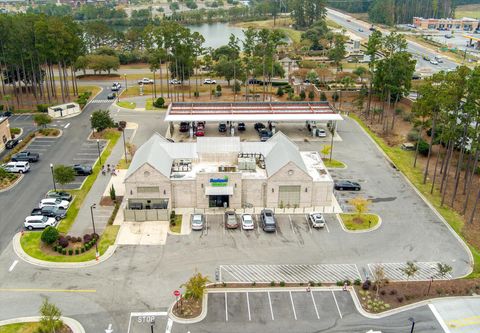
x=17, y=167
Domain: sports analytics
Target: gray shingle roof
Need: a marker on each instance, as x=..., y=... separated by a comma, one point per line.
x=283, y=152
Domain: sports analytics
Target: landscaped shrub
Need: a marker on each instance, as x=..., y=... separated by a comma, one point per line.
x=280, y=92
x=82, y=249
x=413, y=136
x=357, y=282
x=196, y=94
x=407, y=116
x=87, y=246
x=393, y=292
x=63, y=242
x=49, y=235
x=398, y=111
x=69, y=238
x=77, y=251
x=319, y=284
x=64, y=251
x=87, y=238
x=122, y=123
x=302, y=95
x=311, y=283
x=95, y=236
x=282, y=283
x=323, y=97
x=311, y=95
x=366, y=285
x=340, y=283
x=70, y=252
x=423, y=147
x=348, y=282
x=42, y=107
x=159, y=102
x=272, y=284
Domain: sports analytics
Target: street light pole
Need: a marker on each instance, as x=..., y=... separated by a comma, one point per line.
x=98, y=148
x=413, y=324
x=124, y=145
x=53, y=178
x=94, y=231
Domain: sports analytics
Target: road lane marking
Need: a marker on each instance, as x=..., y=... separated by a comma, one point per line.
x=326, y=227
x=66, y=126
x=270, y=301
x=314, y=305
x=13, y=265
x=439, y=318
x=293, y=305
x=308, y=223
x=248, y=307
x=48, y=290
x=338, y=308
x=168, y=329
x=226, y=307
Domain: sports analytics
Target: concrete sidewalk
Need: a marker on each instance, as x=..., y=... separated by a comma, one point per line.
x=83, y=222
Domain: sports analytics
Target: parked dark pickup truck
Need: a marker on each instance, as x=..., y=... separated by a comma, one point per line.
x=25, y=156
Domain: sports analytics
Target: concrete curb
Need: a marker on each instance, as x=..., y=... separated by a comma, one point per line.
x=75, y=326
x=462, y=242
x=358, y=231
x=17, y=248
x=202, y=315
x=14, y=184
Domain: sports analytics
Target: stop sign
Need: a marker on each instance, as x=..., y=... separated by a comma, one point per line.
x=176, y=293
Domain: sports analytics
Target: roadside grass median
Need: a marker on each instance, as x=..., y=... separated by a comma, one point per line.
x=127, y=105
x=20, y=328
x=355, y=222
x=149, y=106
x=31, y=242
x=334, y=164
x=403, y=161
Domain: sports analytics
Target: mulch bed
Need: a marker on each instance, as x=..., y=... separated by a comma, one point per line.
x=187, y=308
x=5, y=183
x=107, y=201
x=397, y=294
x=64, y=329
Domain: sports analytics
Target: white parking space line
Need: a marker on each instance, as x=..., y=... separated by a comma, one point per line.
x=248, y=308
x=168, y=329
x=291, y=223
x=13, y=265
x=308, y=224
x=338, y=308
x=226, y=307
x=66, y=126
x=270, y=301
x=314, y=305
x=94, y=154
x=439, y=318
x=326, y=227
x=293, y=305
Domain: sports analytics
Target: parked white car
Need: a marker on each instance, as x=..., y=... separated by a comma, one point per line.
x=317, y=220
x=39, y=222
x=145, y=81
x=247, y=222
x=433, y=62
x=321, y=133
x=175, y=81
x=209, y=81
x=197, y=222
x=48, y=202
x=17, y=167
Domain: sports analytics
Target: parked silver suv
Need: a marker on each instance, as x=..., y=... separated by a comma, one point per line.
x=267, y=217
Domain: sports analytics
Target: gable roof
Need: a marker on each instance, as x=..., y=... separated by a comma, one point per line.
x=160, y=153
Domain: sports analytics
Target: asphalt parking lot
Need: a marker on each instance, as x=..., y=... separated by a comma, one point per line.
x=298, y=311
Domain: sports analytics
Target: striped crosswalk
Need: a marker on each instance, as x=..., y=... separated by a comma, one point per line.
x=102, y=101
x=325, y=273
x=395, y=271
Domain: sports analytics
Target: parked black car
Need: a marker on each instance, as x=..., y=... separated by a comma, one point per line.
x=111, y=96
x=11, y=143
x=265, y=134
x=60, y=195
x=7, y=113
x=347, y=185
x=184, y=126
x=241, y=126
x=25, y=156
x=51, y=211
x=222, y=127
x=82, y=169
x=254, y=81
x=258, y=126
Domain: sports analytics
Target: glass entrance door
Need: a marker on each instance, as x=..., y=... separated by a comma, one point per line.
x=218, y=201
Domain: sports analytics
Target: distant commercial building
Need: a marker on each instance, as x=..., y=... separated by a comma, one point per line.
x=4, y=132
x=463, y=24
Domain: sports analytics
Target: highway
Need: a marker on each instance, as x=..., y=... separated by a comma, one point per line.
x=361, y=29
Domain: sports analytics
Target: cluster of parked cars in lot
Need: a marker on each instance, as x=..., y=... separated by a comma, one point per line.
x=20, y=163
x=50, y=210
x=267, y=222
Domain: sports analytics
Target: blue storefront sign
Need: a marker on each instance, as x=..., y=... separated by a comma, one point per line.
x=219, y=181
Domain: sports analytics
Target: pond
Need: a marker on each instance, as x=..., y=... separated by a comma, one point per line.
x=217, y=34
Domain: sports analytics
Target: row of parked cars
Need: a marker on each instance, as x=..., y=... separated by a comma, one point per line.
x=50, y=211
x=268, y=222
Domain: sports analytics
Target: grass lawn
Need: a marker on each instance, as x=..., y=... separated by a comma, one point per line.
x=122, y=164
x=282, y=24
x=404, y=161
x=468, y=11
x=353, y=222
x=20, y=328
x=333, y=163
x=31, y=245
x=149, y=106
x=148, y=89
x=333, y=24
x=178, y=224
x=127, y=105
